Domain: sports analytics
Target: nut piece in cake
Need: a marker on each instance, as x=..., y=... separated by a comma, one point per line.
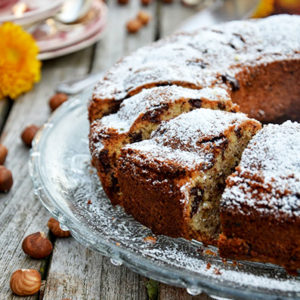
x=137, y=117
x=173, y=182
x=260, y=208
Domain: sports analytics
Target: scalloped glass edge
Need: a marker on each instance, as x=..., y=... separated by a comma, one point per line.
x=119, y=255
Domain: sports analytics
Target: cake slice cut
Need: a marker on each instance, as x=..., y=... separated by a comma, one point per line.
x=137, y=117
x=260, y=208
x=173, y=181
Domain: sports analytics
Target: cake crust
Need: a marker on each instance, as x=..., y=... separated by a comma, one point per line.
x=173, y=181
x=260, y=208
x=137, y=117
x=249, y=59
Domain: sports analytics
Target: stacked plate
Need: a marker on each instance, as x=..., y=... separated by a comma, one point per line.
x=55, y=35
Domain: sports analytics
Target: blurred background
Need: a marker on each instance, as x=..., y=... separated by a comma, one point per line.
x=61, y=27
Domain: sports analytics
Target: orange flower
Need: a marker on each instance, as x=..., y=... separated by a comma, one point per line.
x=263, y=9
x=19, y=66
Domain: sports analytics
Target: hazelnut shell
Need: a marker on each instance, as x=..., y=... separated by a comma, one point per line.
x=37, y=245
x=28, y=134
x=6, y=179
x=54, y=227
x=57, y=100
x=25, y=282
x=146, y=2
x=133, y=26
x=3, y=154
x=144, y=17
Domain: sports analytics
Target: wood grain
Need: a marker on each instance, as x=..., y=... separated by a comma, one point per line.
x=75, y=271
x=20, y=213
x=116, y=42
x=172, y=16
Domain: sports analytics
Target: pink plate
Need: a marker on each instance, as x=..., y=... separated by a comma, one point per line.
x=52, y=35
x=26, y=12
x=73, y=48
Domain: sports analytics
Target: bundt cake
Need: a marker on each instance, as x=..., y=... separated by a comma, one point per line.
x=260, y=208
x=255, y=61
x=137, y=117
x=173, y=181
x=164, y=154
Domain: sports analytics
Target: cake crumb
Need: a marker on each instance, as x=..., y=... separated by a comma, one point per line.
x=150, y=239
x=208, y=266
x=89, y=201
x=217, y=271
x=209, y=252
x=224, y=261
x=118, y=244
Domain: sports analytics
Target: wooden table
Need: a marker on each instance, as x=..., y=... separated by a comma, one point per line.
x=72, y=271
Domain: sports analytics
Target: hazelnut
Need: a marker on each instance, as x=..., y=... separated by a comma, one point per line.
x=25, y=282
x=37, y=245
x=6, y=179
x=146, y=2
x=3, y=154
x=133, y=26
x=57, y=100
x=28, y=134
x=123, y=2
x=144, y=17
x=54, y=227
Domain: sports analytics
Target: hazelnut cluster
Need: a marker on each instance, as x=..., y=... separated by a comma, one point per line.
x=141, y=19
x=27, y=136
x=26, y=282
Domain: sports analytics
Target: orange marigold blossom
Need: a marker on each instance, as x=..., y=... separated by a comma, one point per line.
x=263, y=9
x=19, y=66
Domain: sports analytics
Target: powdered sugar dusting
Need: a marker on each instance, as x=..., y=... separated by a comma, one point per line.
x=71, y=186
x=152, y=99
x=183, y=140
x=269, y=175
x=203, y=55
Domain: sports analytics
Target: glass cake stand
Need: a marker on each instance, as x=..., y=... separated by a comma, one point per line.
x=69, y=188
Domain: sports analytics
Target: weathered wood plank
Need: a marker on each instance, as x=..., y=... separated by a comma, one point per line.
x=74, y=272
x=167, y=292
x=119, y=283
x=20, y=213
x=173, y=16
x=79, y=273
x=86, y=274
x=117, y=42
